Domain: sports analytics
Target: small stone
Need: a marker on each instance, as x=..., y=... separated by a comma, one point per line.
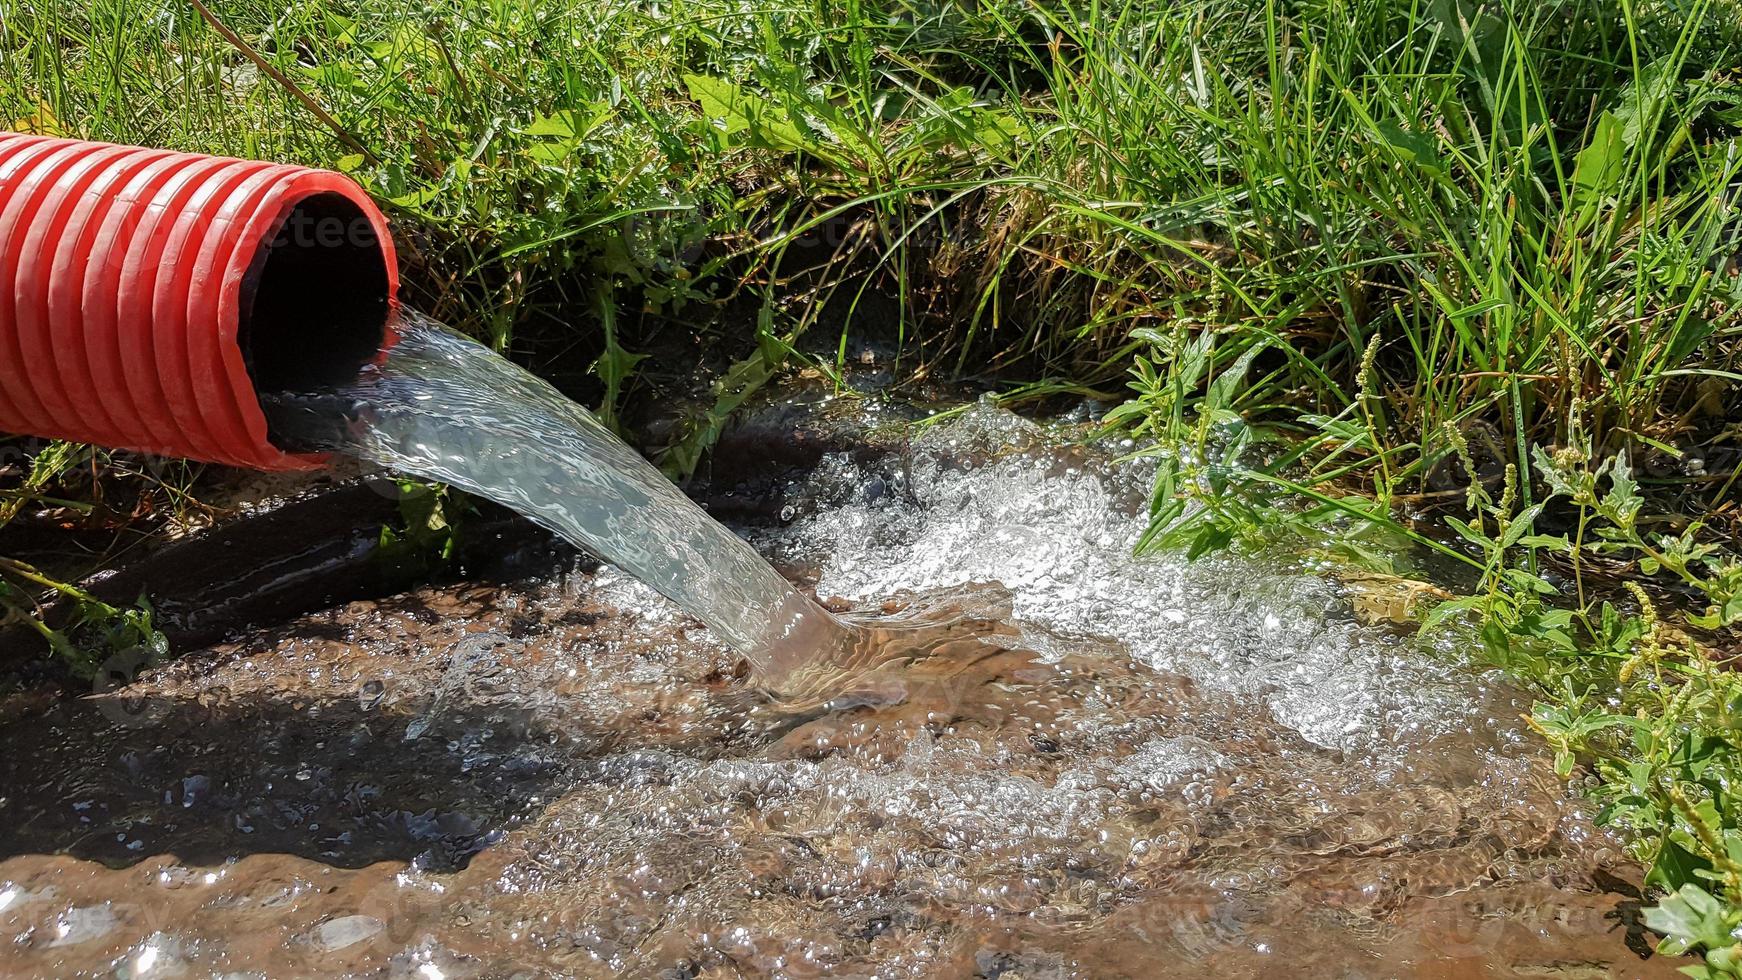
x=337, y=934
x=158, y=956
x=81, y=925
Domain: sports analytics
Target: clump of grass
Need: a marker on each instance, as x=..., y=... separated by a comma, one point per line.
x=1526, y=203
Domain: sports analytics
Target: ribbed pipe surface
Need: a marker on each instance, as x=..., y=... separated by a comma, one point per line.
x=126, y=275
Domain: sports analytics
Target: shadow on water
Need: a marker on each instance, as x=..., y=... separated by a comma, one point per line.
x=218, y=756
x=215, y=774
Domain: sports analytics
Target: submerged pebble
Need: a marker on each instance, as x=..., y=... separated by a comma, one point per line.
x=337, y=934
x=83, y=925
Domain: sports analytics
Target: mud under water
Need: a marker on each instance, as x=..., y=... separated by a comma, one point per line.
x=1101, y=767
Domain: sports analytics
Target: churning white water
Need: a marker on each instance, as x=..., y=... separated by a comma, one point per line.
x=990, y=498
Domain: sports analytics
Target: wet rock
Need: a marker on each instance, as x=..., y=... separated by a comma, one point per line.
x=158, y=956
x=83, y=925
x=337, y=934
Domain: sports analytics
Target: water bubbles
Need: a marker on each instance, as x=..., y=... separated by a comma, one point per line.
x=990, y=502
x=160, y=955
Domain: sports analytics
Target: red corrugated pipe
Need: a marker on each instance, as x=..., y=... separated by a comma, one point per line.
x=149, y=298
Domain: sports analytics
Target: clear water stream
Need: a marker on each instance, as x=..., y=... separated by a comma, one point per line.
x=446, y=408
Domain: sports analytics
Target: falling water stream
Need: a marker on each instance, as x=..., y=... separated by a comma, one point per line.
x=446, y=408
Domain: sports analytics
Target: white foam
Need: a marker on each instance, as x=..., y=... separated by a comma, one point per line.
x=1060, y=538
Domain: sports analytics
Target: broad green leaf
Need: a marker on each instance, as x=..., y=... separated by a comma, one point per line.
x=1597, y=170
x=1470, y=534
x=1675, y=867
x=1226, y=386
x=744, y=113
x=997, y=130
x=1446, y=610
x=1690, y=918
x=1552, y=542
x=569, y=124
x=560, y=125
x=1124, y=412
x=1622, y=503
x=1417, y=147
x=418, y=198
x=1520, y=526
x=1642, y=104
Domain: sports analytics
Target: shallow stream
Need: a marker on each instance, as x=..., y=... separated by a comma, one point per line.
x=1102, y=766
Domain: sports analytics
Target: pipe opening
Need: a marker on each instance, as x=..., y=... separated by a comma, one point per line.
x=315, y=304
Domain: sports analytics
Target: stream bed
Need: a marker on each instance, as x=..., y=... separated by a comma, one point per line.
x=1102, y=767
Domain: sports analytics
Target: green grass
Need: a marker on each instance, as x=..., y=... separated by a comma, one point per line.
x=1528, y=203
x=1368, y=254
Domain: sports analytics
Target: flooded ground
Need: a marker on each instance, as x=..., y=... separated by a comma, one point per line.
x=1100, y=767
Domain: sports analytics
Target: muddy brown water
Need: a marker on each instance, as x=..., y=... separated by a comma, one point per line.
x=1101, y=767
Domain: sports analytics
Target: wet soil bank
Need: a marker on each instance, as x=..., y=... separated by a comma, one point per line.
x=1110, y=769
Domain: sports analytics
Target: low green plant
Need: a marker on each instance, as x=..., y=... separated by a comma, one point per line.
x=1358, y=259
x=92, y=631
x=1694, y=920
x=1499, y=207
x=430, y=530
x=88, y=631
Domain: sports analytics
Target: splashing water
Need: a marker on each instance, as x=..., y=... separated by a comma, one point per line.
x=446, y=408
x=992, y=497
x=1107, y=766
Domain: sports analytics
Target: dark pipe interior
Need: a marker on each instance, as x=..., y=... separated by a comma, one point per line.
x=315, y=306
